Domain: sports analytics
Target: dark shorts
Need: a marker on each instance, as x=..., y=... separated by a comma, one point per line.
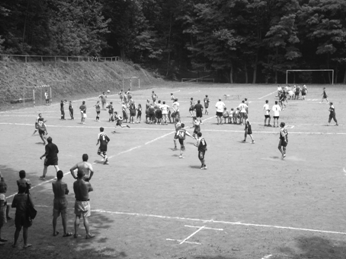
x=303, y=94
x=206, y=105
x=182, y=144
x=21, y=220
x=201, y=154
x=276, y=117
x=41, y=132
x=267, y=116
x=191, y=108
x=283, y=143
x=196, y=131
x=59, y=206
x=219, y=114
x=132, y=113
x=249, y=132
x=199, y=114
x=97, y=112
x=243, y=114
x=49, y=162
x=102, y=148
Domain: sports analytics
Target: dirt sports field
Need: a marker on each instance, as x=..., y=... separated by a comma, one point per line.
x=148, y=203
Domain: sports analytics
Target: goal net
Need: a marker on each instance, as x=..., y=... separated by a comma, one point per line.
x=131, y=83
x=306, y=76
x=42, y=95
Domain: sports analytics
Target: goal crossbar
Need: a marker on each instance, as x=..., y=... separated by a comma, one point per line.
x=298, y=70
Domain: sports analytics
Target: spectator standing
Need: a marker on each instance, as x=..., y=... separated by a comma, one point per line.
x=51, y=153
x=85, y=167
x=23, y=181
x=3, y=207
x=219, y=111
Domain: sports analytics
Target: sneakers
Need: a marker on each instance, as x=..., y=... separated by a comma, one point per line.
x=42, y=178
x=181, y=157
x=283, y=156
x=106, y=161
x=243, y=141
x=253, y=142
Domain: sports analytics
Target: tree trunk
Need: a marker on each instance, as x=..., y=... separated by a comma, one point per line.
x=231, y=74
x=168, y=46
x=246, y=73
x=276, y=64
x=255, y=66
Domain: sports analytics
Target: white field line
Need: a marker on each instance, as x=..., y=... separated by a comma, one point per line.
x=219, y=229
x=188, y=242
x=218, y=222
x=192, y=235
x=268, y=94
x=166, y=129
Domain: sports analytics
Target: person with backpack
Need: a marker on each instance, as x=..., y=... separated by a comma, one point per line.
x=202, y=148
x=181, y=135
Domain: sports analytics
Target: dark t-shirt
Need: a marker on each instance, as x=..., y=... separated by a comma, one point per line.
x=198, y=107
x=20, y=203
x=51, y=151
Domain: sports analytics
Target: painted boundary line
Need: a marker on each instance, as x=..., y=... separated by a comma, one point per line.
x=166, y=129
x=217, y=221
x=268, y=94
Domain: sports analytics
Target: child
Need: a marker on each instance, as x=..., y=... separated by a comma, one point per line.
x=132, y=110
x=181, y=134
x=231, y=116
x=177, y=127
x=71, y=110
x=110, y=112
x=196, y=126
x=83, y=110
x=325, y=96
x=124, y=111
x=237, y=118
x=248, y=131
x=97, y=108
x=62, y=110
x=191, y=107
x=202, y=148
x=225, y=115
x=6, y=209
x=24, y=182
x=139, y=113
x=119, y=121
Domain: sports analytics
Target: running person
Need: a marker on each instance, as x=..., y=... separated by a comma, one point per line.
x=248, y=131
x=202, y=148
x=206, y=104
x=97, y=109
x=181, y=135
x=177, y=127
x=119, y=121
x=197, y=127
x=283, y=140
x=103, y=141
x=324, y=95
x=198, y=110
x=332, y=114
x=41, y=127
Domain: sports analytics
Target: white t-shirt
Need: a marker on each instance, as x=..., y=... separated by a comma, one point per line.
x=276, y=109
x=243, y=107
x=220, y=106
x=266, y=109
x=165, y=109
x=176, y=106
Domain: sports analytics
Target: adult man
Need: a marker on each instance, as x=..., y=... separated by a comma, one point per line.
x=20, y=202
x=332, y=114
x=71, y=110
x=85, y=167
x=276, y=109
x=243, y=111
x=202, y=148
x=266, y=109
x=103, y=140
x=198, y=110
x=46, y=98
x=283, y=140
x=165, y=111
x=3, y=206
x=51, y=153
x=83, y=111
x=60, y=203
x=103, y=100
x=206, y=104
x=219, y=111
x=176, y=110
x=82, y=203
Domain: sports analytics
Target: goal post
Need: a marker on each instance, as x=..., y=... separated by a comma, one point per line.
x=39, y=97
x=309, y=70
x=131, y=83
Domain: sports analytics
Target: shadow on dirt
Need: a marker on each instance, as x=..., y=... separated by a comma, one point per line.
x=44, y=244
x=315, y=248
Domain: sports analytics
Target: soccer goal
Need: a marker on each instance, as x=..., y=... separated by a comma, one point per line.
x=41, y=93
x=131, y=83
x=310, y=76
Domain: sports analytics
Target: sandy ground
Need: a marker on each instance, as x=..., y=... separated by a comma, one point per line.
x=148, y=203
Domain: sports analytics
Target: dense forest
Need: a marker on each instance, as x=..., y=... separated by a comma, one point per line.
x=244, y=41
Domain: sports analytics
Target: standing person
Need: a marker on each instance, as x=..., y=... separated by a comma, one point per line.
x=121, y=93
x=283, y=140
x=154, y=97
x=219, y=111
x=3, y=190
x=206, y=104
x=3, y=206
x=97, y=109
x=165, y=111
x=83, y=110
x=198, y=110
x=46, y=98
x=297, y=92
x=24, y=182
x=71, y=110
x=266, y=109
x=110, y=112
x=103, y=100
x=139, y=113
x=82, y=203
x=243, y=111
x=103, y=140
x=132, y=110
x=172, y=97
x=332, y=114
x=60, y=203
x=202, y=148
x=125, y=113
x=181, y=134
x=191, y=106
x=324, y=95
x=248, y=131
x=304, y=92
x=62, y=110
x=20, y=202
x=51, y=153
x=176, y=110
x=247, y=104
x=225, y=115
x=276, y=109
x=85, y=167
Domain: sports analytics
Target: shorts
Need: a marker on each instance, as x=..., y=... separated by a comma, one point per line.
x=102, y=150
x=119, y=122
x=132, y=113
x=283, y=143
x=21, y=220
x=276, y=117
x=97, y=112
x=2, y=217
x=243, y=114
x=219, y=114
x=199, y=114
x=191, y=108
x=182, y=144
x=49, y=162
x=303, y=94
x=36, y=125
x=82, y=208
x=249, y=132
x=196, y=131
x=59, y=206
x=206, y=105
x=267, y=116
x=41, y=132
